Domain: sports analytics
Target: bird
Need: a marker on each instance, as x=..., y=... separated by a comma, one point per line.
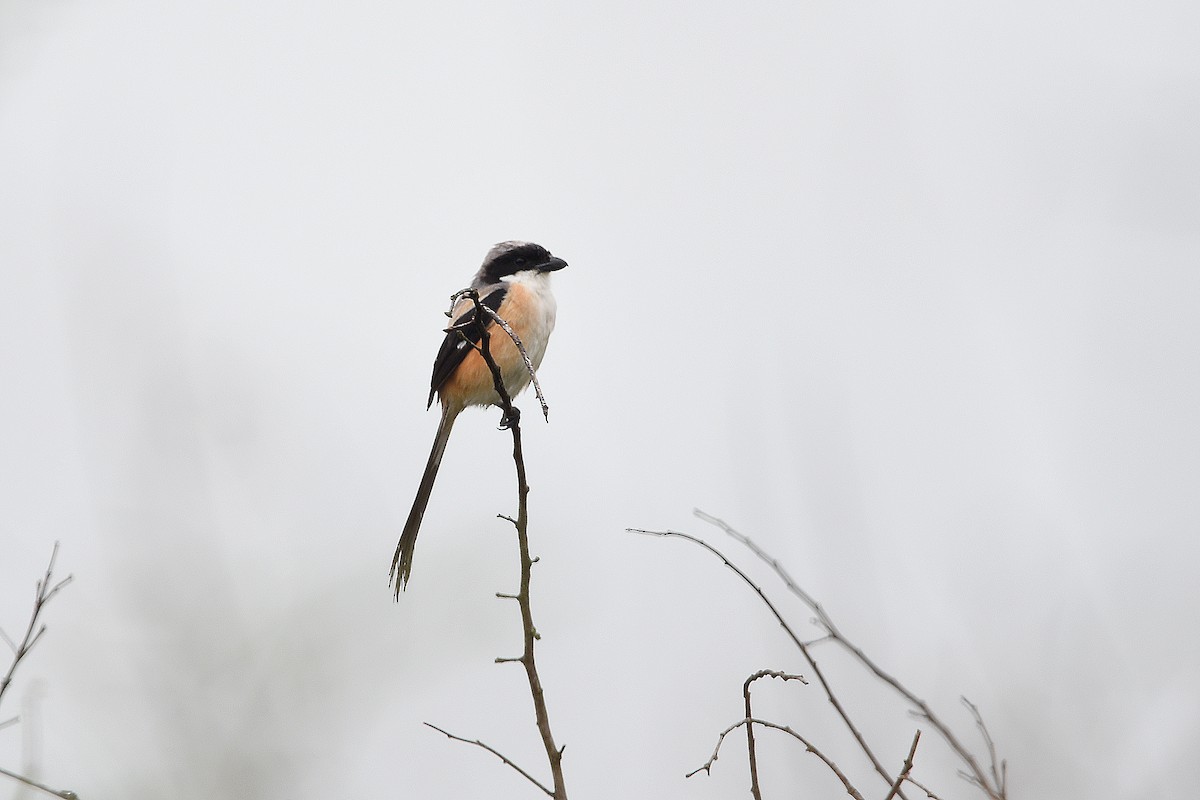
x=513, y=281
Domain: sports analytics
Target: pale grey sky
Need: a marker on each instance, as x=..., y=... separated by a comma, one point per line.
x=908, y=293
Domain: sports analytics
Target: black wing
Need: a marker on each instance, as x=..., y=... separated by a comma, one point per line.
x=454, y=349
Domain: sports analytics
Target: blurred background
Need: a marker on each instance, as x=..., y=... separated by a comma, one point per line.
x=908, y=293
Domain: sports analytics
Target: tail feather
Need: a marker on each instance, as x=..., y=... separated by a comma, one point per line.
x=402, y=561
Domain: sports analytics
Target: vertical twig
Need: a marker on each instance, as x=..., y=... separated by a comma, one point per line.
x=907, y=768
x=762, y=673
x=521, y=523
x=755, y=792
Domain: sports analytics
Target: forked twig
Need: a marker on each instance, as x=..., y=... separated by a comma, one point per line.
x=707, y=768
x=975, y=773
x=907, y=768
x=33, y=634
x=999, y=767
x=829, y=693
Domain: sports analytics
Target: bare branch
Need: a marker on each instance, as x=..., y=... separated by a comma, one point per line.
x=58, y=586
x=511, y=420
x=707, y=768
x=63, y=793
x=34, y=631
x=999, y=768
x=772, y=562
x=750, y=750
x=497, y=754
x=927, y=792
x=829, y=693
x=907, y=768
x=34, y=639
x=975, y=772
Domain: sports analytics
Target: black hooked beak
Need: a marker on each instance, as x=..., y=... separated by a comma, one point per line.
x=551, y=265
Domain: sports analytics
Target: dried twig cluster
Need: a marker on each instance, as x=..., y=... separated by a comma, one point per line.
x=993, y=782
x=46, y=589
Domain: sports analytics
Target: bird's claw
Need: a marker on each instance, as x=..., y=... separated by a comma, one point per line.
x=507, y=420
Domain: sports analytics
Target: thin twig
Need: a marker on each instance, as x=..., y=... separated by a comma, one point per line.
x=511, y=420
x=497, y=754
x=765, y=556
x=975, y=772
x=762, y=673
x=999, y=767
x=473, y=295
x=907, y=768
x=34, y=632
x=809, y=746
x=829, y=693
x=63, y=793
x=537, y=387
x=922, y=787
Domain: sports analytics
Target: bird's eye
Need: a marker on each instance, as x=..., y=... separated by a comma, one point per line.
x=520, y=262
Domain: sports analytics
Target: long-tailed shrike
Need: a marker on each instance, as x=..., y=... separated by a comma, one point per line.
x=514, y=281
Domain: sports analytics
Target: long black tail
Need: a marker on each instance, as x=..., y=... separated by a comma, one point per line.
x=402, y=561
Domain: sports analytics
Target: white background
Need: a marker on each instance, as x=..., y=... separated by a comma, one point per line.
x=908, y=293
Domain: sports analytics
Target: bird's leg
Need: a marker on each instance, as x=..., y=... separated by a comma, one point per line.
x=507, y=420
